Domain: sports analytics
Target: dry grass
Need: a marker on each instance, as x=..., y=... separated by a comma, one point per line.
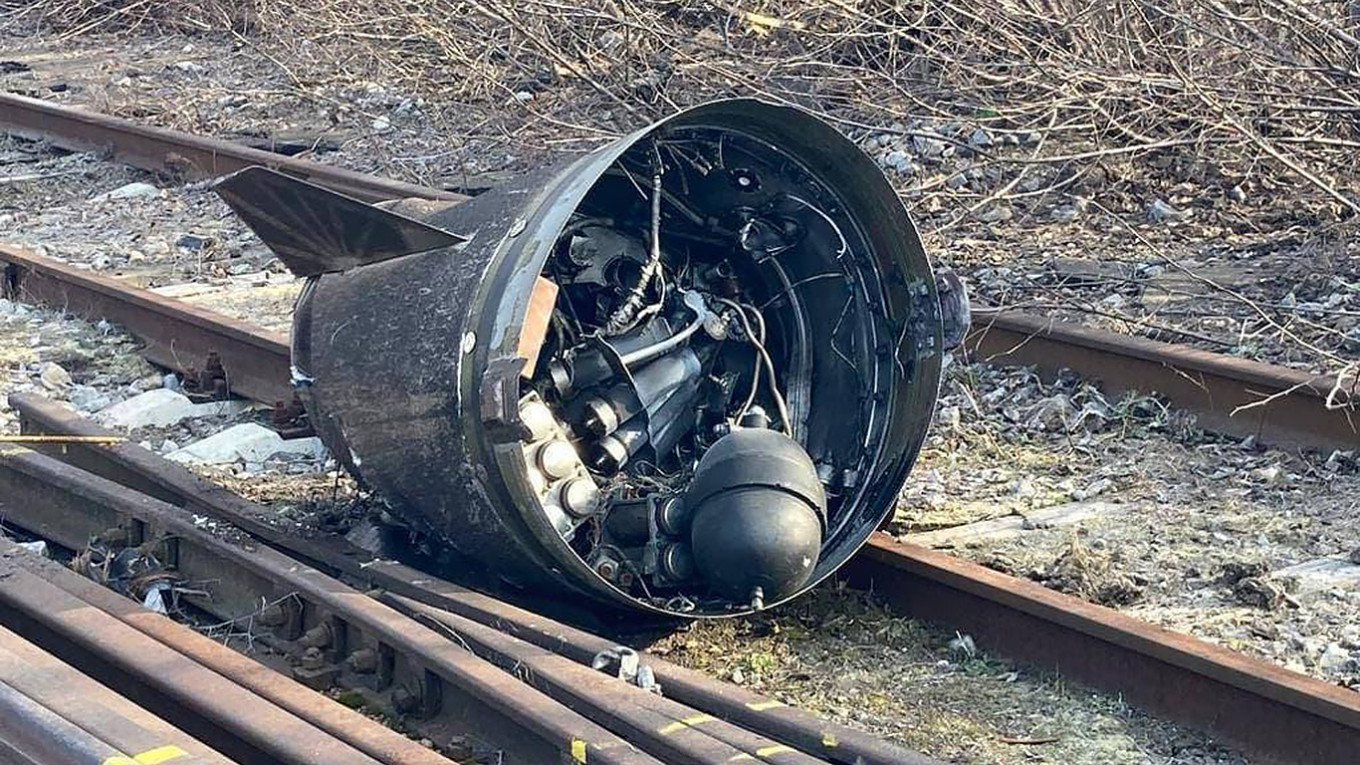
x=1263, y=88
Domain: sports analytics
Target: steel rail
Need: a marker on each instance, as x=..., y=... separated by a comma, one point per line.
x=1247, y=735
x=183, y=155
x=195, y=699
x=176, y=335
x=32, y=733
x=341, y=722
x=1296, y=411
x=1271, y=712
x=75, y=697
x=1214, y=386
x=1240, y=397
x=149, y=473
x=319, y=620
x=1170, y=674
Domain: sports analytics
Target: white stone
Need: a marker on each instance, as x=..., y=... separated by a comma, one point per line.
x=247, y=442
x=162, y=407
x=88, y=399
x=1334, y=658
x=1161, y=211
x=54, y=377
x=130, y=191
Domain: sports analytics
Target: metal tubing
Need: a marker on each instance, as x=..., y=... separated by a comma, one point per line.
x=1271, y=712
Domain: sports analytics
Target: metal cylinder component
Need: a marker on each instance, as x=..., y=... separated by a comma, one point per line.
x=580, y=497
x=758, y=509
x=601, y=418
x=557, y=459
x=672, y=516
x=755, y=417
x=677, y=561
x=538, y=419
x=613, y=451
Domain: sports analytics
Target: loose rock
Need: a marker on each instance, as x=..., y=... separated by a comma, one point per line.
x=54, y=377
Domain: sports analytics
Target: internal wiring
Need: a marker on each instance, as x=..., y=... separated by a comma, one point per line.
x=845, y=246
x=764, y=356
x=629, y=313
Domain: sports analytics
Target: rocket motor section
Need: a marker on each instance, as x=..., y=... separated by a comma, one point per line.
x=686, y=373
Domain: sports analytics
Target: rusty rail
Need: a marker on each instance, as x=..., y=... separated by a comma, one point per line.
x=180, y=154
x=1258, y=706
x=1284, y=716
x=1271, y=712
x=414, y=671
x=1211, y=385
x=176, y=335
x=76, y=698
x=180, y=336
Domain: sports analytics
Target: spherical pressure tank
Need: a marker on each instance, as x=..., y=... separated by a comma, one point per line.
x=736, y=258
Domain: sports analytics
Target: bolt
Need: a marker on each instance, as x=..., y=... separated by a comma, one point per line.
x=607, y=569
x=316, y=637
x=363, y=661
x=312, y=658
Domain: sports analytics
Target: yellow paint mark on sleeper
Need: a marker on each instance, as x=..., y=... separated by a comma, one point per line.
x=160, y=754
x=829, y=740
x=150, y=757
x=682, y=723
x=578, y=750
x=761, y=706
x=771, y=751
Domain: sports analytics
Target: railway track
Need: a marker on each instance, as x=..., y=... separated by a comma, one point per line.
x=447, y=661
x=1259, y=707
x=1300, y=410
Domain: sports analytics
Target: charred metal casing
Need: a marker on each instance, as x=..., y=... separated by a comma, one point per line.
x=411, y=367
